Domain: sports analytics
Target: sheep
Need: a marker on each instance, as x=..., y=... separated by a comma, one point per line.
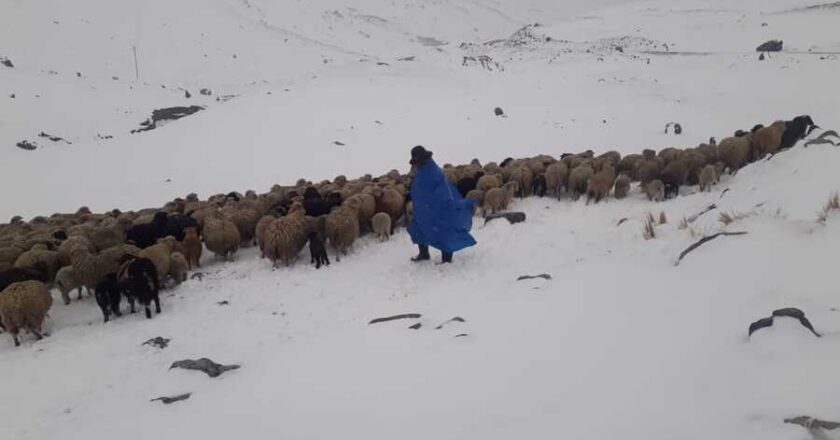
x=161, y=255
x=488, y=181
x=244, y=218
x=539, y=186
x=108, y=296
x=599, y=184
x=66, y=281
x=477, y=196
x=381, y=223
x=318, y=251
x=622, y=186
x=492, y=168
x=146, y=234
x=38, y=253
x=707, y=178
x=655, y=190
x=140, y=282
x=221, y=236
x=37, y=272
x=286, y=236
x=469, y=183
x=178, y=267
x=66, y=248
x=795, y=130
x=578, y=179
x=391, y=202
x=89, y=268
x=367, y=208
x=611, y=157
x=524, y=177
x=24, y=305
x=735, y=151
x=674, y=175
x=109, y=233
x=556, y=177
x=192, y=247
x=497, y=199
x=767, y=140
x=343, y=227
x=628, y=164
x=177, y=224
x=695, y=161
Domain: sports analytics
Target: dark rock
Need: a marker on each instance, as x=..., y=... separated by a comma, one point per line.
x=498, y=111
x=455, y=319
x=6, y=62
x=395, y=317
x=416, y=326
x=411, y=58
x=544, y=276
x=512, y=217
x=770, y=46
x=172, y=399
x=26, y=145
x=209, y=367
x=167, y=114
x=461, y=335
x=159, y=342
x=223, y=303
x=620, y=222
x=53, y=138
x=761, y=57
x=187, y=94
x=339, y=143
x=205, y=92
x=813, y=424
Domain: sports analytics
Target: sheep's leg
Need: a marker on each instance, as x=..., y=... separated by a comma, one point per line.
x=66, y=297
x=157, y=304
x=37, y=334
x=15, y=337
x=148, y=312
x=131, y=304
x=79, y=293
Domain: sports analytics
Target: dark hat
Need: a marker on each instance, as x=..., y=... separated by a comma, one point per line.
x=419, y=155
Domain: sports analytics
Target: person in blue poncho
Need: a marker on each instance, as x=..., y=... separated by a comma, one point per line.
x=442, y=218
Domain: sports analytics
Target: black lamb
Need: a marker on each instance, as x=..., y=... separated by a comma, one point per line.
x=318, y=251
x=108, y=296
x=147, y=234
x=37, y=272
x=539, y=186
x=176, y=224
x=139, y=280
x=469, y=183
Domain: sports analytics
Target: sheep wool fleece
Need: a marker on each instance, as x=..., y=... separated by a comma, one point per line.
x=442, y=218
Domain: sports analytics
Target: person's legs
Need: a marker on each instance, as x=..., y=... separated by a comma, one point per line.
x=424, y=253
x=446, y=257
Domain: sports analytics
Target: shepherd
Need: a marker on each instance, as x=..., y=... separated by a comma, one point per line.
x=442, y=218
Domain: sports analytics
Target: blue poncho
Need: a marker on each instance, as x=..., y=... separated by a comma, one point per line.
x=442, y=218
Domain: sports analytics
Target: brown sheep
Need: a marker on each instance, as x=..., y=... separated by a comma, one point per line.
x=382, y=226
x=629, y=164
x=655, y=190
x=492, y=168
x=343, y=227
x=622, y=186
x=245, y=218
x=178, y=268
x=578, y=179
x=498, y=199
x=524, y=177
x=766, y=140
x=286, y=236
x=478, y=196
x=391, y=202
x=89, y=268
x=366, y=209
x=556, y=178
x=488, y=181
x=40, y=253
x=192, y=247
x=66, y=248
x=599, y=184
x=695, y=161
x=160, y=254
x=24, y=305
x=735, y=152
x=610, y=157
x=221, y=236
x=674, y=175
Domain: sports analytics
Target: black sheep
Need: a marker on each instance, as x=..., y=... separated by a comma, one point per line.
x=139, y=280
x=37, y=272
x=311, y=193
x=539, y=186
x=317, y=251
x=506, y=162
x=335, y=198
x=108, y=296
x=59, y=235
x=796, y=129
x=316, y=206
x=468, y=183
x=147, y=234
x=176, y=224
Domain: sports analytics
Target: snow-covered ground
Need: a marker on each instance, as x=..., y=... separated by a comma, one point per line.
x=620, y=343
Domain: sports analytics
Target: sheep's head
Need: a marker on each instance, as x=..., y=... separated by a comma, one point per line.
x=169, y=241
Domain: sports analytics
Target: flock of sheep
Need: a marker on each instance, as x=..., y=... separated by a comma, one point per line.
x=135, y=254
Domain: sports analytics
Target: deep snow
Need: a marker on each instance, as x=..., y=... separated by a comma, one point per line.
x=621, y=343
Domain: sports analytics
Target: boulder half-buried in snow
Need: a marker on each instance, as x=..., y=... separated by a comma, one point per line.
x=512, y=217
x=209, y=367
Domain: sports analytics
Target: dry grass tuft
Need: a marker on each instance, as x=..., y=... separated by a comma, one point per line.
x=726, y=218
x=662, y=218
x=833, y=204
x=683, y=224
x=649, y=231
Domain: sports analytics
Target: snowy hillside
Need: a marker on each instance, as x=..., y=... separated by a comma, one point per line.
x=620, y=343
